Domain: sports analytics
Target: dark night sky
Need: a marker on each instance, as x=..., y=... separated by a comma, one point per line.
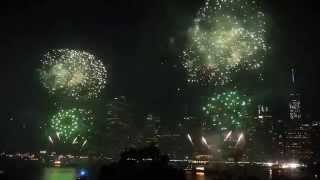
x=134, y=38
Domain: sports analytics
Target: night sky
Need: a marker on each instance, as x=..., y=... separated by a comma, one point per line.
x=141, y=41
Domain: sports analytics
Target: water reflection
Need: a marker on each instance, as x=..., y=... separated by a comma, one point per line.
x=200, y=176
x=196, y=176
x=270, y=174
x=59, y=174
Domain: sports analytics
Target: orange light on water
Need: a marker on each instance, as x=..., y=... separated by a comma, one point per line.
x=200, y=173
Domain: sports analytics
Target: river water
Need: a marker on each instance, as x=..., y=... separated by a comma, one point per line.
x=59, y=174
x=26, y=171
x=260, y=174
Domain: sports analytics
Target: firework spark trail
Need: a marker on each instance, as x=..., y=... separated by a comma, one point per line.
x=204, y=141
x=227, y=136
x=239, y=139
x=50, y=139
x=227, y=36
x=190, y=139
x=58, y=135
x=73, y=73
x=75, y=140
x=84, y=143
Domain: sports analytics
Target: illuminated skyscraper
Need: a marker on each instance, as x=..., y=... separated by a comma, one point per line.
x=294, y=101
x=297, y=144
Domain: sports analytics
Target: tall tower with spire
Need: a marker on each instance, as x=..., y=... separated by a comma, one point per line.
x=297, y=145
x=294, y=101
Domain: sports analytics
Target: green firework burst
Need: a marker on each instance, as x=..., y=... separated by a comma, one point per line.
x=72, y=124
x=227, y=111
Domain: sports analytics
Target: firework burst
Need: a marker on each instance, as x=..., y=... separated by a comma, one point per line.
x=72, y=126
x=73, y=73
x=227, y=111
x=227, y=36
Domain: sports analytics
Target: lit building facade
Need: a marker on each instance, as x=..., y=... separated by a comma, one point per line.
x=118, y=130
x=298, y=145
x=151, y=129
x=278, y=139
x=169, y=144
x=315, y=135
x=262, y=131
x=295, y=107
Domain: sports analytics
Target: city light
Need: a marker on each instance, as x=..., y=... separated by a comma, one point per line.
x=291, y=165
x=200, y=173
x=83, y=173
x=57, y=163
x=269, y=164
x=200, y=168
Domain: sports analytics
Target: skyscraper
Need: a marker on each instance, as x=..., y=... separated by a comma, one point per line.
x=261, y=132
x=278, y=139
x=151, y=129
x=297, y=144
x=294, y=101
x=315, y=138
x=118, y=128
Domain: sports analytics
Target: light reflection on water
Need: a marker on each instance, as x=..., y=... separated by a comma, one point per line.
x=261, y=174
x=71, y=174
x=196, y=176
x=59, y=174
